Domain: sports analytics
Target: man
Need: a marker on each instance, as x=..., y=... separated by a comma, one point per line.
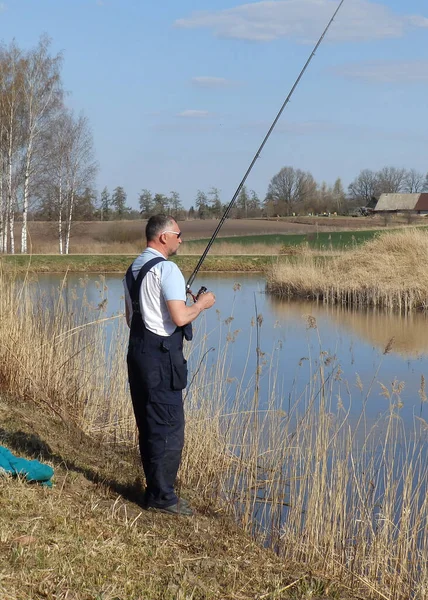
x=157, y=314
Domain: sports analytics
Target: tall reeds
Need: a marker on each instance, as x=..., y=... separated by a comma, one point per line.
x=324, y=488
x=387, y=272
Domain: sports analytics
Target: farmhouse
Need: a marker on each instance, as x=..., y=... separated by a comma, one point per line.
x=416, y=204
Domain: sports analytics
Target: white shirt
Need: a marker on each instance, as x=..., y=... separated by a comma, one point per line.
x=162, y=283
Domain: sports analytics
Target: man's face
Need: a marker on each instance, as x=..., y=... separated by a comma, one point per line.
x=172, y=238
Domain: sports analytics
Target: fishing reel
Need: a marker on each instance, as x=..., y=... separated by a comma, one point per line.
x=194, y=297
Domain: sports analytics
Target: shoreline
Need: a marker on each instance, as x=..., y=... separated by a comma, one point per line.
x=117, y=263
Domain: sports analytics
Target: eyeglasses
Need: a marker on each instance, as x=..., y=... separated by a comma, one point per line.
x=177, y=233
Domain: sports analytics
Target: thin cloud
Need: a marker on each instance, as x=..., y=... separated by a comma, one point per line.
x=385, y=71
x=194, y=114
x=302, y=20
x=296, y=128
x=343, y=130
x=212, y=82
x=3, y=6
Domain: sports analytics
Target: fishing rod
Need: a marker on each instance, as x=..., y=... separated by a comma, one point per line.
x=256, y=156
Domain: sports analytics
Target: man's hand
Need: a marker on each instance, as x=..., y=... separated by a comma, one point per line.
x=182, y=314
x=206, y=300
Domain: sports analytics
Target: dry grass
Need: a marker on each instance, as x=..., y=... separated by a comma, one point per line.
x=126, y=237
x=388, y=272
x=335, y=496
x=83, y=541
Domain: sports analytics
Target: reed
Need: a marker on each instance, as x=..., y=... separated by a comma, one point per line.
x=324, y=489
x=386, y=272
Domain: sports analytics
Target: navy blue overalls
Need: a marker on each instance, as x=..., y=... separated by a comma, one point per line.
x=157, y=374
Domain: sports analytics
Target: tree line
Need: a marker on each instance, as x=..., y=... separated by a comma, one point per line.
x=290, y=192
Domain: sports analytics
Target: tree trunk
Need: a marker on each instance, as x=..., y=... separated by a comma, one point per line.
x=11, y=231
x=26, y=195
x=2, y=211
x=60, y=218
x=9, y=208
x=60, y=231
x=70, y=216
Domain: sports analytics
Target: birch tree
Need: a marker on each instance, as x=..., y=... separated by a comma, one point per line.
x=80, y=167
x=42, y=96
x=70, y=170
x=11, y=112
x=58, y=143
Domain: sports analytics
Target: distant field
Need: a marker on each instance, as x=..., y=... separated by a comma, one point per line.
x=127, y=237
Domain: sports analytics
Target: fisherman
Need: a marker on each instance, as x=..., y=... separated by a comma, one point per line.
x=159, y=319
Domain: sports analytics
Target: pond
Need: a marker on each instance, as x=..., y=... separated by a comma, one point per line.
x=371, y=353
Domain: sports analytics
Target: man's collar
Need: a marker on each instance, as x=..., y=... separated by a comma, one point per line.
x=155, y=252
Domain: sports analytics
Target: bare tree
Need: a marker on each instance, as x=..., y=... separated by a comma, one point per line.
x=338, y=194
x=58, y=147
x=70, y=170
x=364, y=187
x=391, y=180
x=80, y=167
x=413, y=182
x=42, y=99
x=11, y=112
x=45, y=153
x=289, y=188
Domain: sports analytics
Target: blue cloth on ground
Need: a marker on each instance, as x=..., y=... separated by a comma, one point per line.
x=32, y=470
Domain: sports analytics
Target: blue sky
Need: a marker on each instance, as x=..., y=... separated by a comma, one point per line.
x=180, y=94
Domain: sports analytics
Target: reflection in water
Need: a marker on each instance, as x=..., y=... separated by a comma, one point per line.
x=356, y=340
x=409, y=331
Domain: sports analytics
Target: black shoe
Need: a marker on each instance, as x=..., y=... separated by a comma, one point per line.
x=180, y=508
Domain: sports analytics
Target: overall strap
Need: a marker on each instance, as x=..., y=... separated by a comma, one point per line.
x=134, y=285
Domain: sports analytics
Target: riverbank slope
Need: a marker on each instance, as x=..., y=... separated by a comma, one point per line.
x=88, y=538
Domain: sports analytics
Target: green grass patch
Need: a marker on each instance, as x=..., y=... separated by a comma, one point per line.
x=333, y=240
x=50, y=263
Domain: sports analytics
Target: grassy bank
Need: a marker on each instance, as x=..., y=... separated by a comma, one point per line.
x=333, y=493
x=49, y=263
x=88, y=539
x=387, y=272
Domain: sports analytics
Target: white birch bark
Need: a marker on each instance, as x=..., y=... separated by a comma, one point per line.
x=26, y=195
x=2, y=202
x=60, y=243
x=9, y=202
x=69, y=220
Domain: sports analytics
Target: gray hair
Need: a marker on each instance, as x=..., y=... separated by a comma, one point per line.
x=156, y=224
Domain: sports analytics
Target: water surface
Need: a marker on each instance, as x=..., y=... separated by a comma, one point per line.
x=365, y=351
